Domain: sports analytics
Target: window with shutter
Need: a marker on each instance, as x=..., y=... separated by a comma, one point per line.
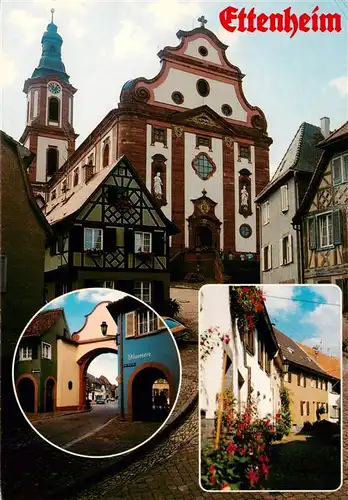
x=265, y=213
x=129, y=240
x=340, y=170
x=130, y=324
x=311, y=233
x=93, y=239
x=142, y=241
x=25, y=353
x=158, y=243
x=325, y=230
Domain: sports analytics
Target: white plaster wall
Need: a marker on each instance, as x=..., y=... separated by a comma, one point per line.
x=42, y=144
x=192, y=50
x=194, y=185
x=158, y=148
x=220, y=93
x=245, y=244
x=36, y=103
x=215, y=298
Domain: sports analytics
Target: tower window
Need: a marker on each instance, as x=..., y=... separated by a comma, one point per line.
x=52, y=161
x=106, y=151
x=53, y=109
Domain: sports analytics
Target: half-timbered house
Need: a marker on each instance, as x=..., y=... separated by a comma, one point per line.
x=110, y=233
x=323, y=218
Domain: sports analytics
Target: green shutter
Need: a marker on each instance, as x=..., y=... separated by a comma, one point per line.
x=158, y=243
x=337, y=227
x=129, y=240
x=77, y=239
x=312, y=233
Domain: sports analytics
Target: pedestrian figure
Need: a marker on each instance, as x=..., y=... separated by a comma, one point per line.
x=163, y=400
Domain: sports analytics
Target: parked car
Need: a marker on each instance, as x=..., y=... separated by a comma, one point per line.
x=100, y=400
x=177, y=329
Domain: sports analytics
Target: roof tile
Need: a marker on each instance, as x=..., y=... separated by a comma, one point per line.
x=43, y=322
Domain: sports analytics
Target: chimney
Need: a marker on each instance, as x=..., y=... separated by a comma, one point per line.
x=89, y=172
x=325, y=126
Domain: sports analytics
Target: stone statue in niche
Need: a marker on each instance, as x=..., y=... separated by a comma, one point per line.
x=157, y=186
x=245, y=193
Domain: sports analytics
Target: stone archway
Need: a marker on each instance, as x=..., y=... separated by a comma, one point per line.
x=27, y=392
x=84, y=363
x=140, y=391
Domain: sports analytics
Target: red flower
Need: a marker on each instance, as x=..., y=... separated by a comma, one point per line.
x=253, y=478
x=268, y=422
x=212, y=470
x=227, y=339
x=225, y=486
x=265, y=469
x=278, y=416
x=231, y=448
x=241, y=450
x=212, y=479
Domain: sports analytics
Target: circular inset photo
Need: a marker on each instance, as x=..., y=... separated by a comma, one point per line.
x=97, y=372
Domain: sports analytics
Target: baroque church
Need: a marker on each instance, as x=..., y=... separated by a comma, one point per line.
x=197, y=145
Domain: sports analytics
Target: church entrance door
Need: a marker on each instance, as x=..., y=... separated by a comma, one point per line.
x=204, y=237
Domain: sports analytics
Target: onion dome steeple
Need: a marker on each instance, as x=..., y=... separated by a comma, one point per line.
x=51, y=59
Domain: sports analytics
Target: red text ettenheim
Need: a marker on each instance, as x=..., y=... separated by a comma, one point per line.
x=234, y=19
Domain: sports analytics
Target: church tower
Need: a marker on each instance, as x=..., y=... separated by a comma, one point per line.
x=49, y=131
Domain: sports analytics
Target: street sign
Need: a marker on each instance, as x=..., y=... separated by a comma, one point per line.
x=35, y=371
x=129, y=365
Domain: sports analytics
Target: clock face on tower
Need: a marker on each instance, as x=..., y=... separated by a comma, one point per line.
x=54, y=88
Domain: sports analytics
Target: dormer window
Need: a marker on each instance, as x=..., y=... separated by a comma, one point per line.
x=90, y=160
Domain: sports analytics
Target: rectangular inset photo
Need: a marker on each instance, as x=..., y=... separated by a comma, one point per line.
x=270, y=387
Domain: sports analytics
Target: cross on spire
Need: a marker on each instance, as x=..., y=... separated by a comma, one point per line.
x=203, y=21
x=52, y=12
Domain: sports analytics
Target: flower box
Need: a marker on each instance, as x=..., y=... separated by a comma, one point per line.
x=94, y=252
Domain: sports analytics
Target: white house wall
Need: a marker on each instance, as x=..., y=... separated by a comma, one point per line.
x=279, y=225
x=184, y=82
x=194, y=185
x=245, y=244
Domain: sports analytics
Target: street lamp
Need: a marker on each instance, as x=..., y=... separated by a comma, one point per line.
x=104, y=328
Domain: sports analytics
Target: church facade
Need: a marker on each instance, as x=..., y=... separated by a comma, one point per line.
x=200, y=148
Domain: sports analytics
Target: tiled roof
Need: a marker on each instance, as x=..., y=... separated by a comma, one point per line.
x=71, y=201
x=293, y=353
x=302, y=154
x=336, y=134
x=104, y=380
x=43, y=322
x=331, y=364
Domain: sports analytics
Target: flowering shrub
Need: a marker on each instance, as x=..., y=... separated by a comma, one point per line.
x=241, y=460
x=284, y=417
x=246, y=304
x=211, y=338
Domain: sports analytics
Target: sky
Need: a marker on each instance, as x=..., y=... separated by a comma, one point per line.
x=307, y=314
x=76, y=306
x=107, y=43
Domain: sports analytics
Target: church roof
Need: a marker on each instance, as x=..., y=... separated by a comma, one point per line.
x=301, y=155
x=51, y=63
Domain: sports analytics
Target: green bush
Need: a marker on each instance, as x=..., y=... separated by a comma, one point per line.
x=171, y=308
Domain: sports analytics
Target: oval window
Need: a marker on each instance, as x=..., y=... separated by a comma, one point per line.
x=177, y=97
x=70, y=385
x=203, y=51
x=203, y=88
x=226, y=109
